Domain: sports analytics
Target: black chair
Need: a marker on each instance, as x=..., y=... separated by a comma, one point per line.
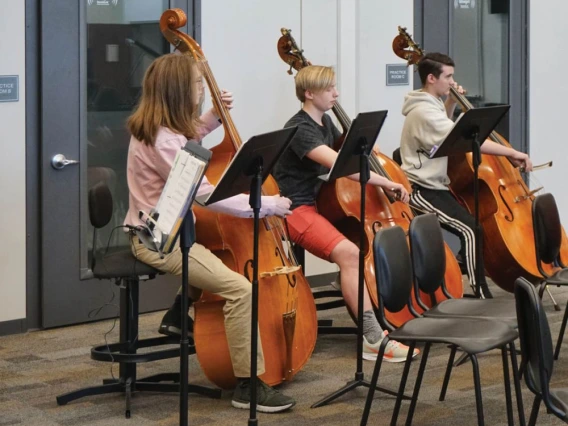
x=548, y=238
x=394, y=283
x=429, y=265
x=127, y=272
x=536, y=350
x=325, y=326
x=428, y=256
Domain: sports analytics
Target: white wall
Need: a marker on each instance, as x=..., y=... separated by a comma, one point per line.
x=377, y=23
x=13, y=170
x=548, y=94
x=354, y=36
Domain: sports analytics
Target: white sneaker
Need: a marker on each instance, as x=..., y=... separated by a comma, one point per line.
x=394, y=352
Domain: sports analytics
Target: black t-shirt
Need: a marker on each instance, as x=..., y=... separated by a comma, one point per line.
x=296, y=174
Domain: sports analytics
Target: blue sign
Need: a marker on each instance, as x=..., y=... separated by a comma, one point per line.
x=9, y=88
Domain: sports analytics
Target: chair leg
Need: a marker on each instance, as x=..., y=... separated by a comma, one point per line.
x=561, y=334
x=507, y=383
x=517, y=383
x=374, y=380
x=417, y=384
x=402, y=383
x=543, y=288
x=477, y=384
x=448, y=373
x=534, y=411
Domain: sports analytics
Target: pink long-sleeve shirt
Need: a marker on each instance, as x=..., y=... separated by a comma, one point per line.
x=148, y=168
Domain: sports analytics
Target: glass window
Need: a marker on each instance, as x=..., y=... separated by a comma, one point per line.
x=479, y=42
x=123, y=37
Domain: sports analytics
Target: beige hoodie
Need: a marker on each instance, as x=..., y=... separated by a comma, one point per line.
x=425, y=128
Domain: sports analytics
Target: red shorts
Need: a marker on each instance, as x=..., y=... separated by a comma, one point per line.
x=313, y=232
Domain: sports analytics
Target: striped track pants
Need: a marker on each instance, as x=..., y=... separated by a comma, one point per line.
x=454, y=218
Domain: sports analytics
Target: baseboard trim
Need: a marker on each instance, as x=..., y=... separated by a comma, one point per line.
x=13, y=327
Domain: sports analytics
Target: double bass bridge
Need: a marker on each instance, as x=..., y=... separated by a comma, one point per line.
x=280, y=270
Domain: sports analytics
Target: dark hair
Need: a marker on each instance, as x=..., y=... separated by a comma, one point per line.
x=431, y=63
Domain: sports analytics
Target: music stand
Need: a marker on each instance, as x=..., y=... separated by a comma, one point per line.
x=467, y=135
x=184, y=227
x=248, y=170
x=353, y=157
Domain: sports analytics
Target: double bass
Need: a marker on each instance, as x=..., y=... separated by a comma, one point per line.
x=339, y=202
x=287, y=314
x=505, y=201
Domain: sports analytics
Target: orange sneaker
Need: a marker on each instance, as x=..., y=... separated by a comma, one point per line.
x=394, y=352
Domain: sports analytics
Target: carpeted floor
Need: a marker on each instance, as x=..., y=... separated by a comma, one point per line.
x=38, y=366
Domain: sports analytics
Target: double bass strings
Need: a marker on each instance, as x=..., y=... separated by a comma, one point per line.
x=273, y=224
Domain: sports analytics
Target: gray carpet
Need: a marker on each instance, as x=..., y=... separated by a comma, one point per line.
x=38, y=366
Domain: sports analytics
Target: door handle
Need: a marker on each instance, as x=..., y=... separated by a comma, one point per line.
x=59, y=161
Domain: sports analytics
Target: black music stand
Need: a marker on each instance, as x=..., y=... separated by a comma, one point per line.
x=353, y=158
x=469, y=132
x=248, y=170
x=185, y=229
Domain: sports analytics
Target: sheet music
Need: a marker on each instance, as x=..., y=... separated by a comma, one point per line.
x=182, y=183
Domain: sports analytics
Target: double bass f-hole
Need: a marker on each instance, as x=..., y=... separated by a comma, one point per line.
x=508, y=218
x=377, y=226
x=406, y=216
x=247, y=270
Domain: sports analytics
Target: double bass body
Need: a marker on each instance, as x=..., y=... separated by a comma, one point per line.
x=287, y=315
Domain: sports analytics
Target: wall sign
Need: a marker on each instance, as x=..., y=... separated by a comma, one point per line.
x=464, y=4
x=397, y=75
x=102, y=2
x=9, y=85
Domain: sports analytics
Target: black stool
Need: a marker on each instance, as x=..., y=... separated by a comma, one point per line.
x=127, y=272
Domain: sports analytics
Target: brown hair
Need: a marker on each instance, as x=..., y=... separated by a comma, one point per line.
x=168, y=99
x=431, y=63
x=314, y=78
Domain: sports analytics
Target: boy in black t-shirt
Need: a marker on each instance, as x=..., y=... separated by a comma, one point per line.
x=297, y=171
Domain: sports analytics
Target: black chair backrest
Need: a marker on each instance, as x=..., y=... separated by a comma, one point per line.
x=428, y=252
x=393, y=270
x=396, y=156
x=547, y=228
x=100, y=205
x=536, y=340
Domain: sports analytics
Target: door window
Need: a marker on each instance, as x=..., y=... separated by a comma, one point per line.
x=123, y=38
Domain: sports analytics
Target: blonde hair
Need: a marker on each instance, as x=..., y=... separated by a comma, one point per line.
x=168, y=99
x=315, y=78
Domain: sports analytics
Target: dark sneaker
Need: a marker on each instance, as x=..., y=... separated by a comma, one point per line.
x=268, y=400
x=171, y=324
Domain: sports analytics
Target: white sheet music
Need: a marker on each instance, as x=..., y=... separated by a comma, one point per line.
x=179, y=190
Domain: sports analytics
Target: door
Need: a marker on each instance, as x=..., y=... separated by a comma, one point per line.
x=93, y=56
x=488, y=41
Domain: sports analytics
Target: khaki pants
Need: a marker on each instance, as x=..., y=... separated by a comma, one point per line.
x=207, y=272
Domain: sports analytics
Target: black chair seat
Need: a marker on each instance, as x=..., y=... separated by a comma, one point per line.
x=472, y=335
x=121, y=264
x=558, y=278
x=495, y=309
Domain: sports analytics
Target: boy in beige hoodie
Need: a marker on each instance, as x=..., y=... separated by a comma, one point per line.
x=427, y=124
